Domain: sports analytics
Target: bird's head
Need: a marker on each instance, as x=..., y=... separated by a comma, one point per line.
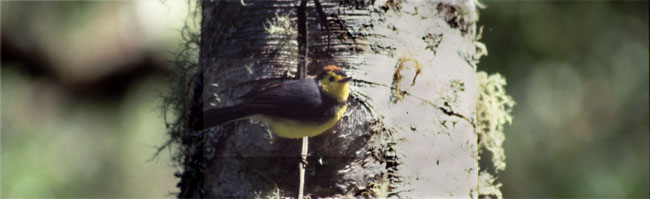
x=334, y=83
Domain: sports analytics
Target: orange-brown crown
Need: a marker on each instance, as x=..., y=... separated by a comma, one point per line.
x=331, y=68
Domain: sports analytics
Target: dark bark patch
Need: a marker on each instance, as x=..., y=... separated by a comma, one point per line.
x=392, y=5
x=455, y=16
x=343, y=31
x=384, y=151
x=356, y=4
x=336, y=154
x=380, y=48
x=432, y=41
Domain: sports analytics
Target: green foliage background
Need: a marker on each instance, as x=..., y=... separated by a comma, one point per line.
x=578, y=71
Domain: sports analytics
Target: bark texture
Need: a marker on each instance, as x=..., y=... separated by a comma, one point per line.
x=409, y=128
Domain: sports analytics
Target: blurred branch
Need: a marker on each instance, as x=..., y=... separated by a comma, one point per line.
x=111, y=86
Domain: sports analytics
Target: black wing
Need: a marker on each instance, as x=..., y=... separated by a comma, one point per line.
x=295, y=99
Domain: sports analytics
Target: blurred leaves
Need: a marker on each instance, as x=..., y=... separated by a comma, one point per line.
x=80, y=97
x=579, y=73
x=55, y=146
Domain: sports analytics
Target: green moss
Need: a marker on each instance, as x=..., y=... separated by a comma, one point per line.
x=281, y=29
x=275, y=193
x=280, y=25
x=379, y=189
x=493, y=110
x=486, y=186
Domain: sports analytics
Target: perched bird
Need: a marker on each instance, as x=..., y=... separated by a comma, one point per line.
x=294, y=108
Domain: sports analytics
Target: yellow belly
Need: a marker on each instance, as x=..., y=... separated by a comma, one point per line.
x=288, y=128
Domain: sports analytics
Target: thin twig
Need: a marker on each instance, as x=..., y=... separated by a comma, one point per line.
x=302, y=74
x=302, y=165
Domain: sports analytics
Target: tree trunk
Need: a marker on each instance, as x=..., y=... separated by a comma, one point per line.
x=409, y=128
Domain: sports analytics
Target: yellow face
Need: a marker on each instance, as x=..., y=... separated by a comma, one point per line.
x=335, y=85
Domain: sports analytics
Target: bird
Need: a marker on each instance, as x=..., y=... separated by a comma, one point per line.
x=292, y=108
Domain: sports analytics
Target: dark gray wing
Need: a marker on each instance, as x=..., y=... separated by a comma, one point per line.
x=295, y=99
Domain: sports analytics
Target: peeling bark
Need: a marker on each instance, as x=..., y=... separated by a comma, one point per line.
x=409, y=128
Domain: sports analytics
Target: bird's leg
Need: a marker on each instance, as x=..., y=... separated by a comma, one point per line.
x=305, y=147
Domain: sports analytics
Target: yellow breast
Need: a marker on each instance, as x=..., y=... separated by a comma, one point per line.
x=296, y=129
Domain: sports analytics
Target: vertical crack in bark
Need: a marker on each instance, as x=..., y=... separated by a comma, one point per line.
x=323, y=22
x=303, y=49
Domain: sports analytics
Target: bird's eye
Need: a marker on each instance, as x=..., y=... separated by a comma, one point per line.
x=331, y=79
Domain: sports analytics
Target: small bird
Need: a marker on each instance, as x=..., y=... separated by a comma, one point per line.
x=294, y=108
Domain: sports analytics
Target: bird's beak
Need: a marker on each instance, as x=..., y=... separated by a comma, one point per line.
x=345, y=79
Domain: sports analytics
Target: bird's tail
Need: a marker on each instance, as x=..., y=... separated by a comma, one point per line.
x=221, y=115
